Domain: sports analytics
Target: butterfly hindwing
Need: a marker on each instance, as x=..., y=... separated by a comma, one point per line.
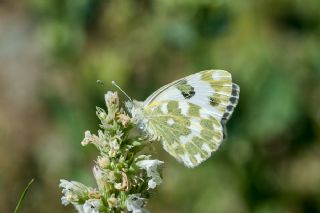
x=187, y=132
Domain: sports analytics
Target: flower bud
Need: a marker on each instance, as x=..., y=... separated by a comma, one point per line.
x=103, y=161
x=112, y=99
x=112, y=201
x=124, y=120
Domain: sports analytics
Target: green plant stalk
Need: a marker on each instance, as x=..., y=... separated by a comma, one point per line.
x=22, y=196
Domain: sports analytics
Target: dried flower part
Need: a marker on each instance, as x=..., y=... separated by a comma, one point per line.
x=103, y=161
x=124, y=120
x=94, y=194
x=90, y=138
x=121, y=171
x=124, y=185
x=113, y=201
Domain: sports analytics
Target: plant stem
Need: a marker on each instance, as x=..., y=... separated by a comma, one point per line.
x=23, y=195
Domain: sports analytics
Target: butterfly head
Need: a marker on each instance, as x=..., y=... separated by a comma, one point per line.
x=136, y=110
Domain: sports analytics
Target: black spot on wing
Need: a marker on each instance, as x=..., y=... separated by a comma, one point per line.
x=235, y=93
x=233, y=100
x=230, y=108
x=235, y=90
x=225, y=116
x=186, y=90
x=189, y=94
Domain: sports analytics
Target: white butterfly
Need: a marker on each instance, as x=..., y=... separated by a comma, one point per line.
x=189, y=115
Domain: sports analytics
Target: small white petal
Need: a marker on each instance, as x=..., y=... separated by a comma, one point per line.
x=92, y=206
x=152, y=169
x=135, y=203
x=65, y=201
x=114, y=145
x=152, y=184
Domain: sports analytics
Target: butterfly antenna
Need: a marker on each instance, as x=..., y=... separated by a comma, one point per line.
x=114, y=83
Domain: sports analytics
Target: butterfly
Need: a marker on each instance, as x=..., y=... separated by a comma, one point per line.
x=188, y=115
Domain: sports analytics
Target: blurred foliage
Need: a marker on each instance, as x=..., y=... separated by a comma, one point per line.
x=52, y=52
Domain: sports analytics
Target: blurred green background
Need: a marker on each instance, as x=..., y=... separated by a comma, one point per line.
x=53, y=51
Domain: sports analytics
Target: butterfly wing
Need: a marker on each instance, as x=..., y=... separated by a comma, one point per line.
x=187, y=132
x=188, y=115
x=212, y=90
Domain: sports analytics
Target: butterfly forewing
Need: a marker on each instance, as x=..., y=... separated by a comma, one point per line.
x=212, y=90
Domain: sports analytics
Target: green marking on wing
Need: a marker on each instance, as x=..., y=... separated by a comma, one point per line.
x=186, y=90
x=217, y=78
x=225, y=92
x=203, y=135
x=194, y=110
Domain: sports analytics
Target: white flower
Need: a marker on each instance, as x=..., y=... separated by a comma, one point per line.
x=67, y=198
x=72, y=191
x=72, y=185
x=112, y=99
x=97, y=172
x=114, y=145
x=152, y=183
x=102, y=115
x=135, y=203
x=90, y=138
x=87, y=138
x=92, y=206
x=152, y=167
